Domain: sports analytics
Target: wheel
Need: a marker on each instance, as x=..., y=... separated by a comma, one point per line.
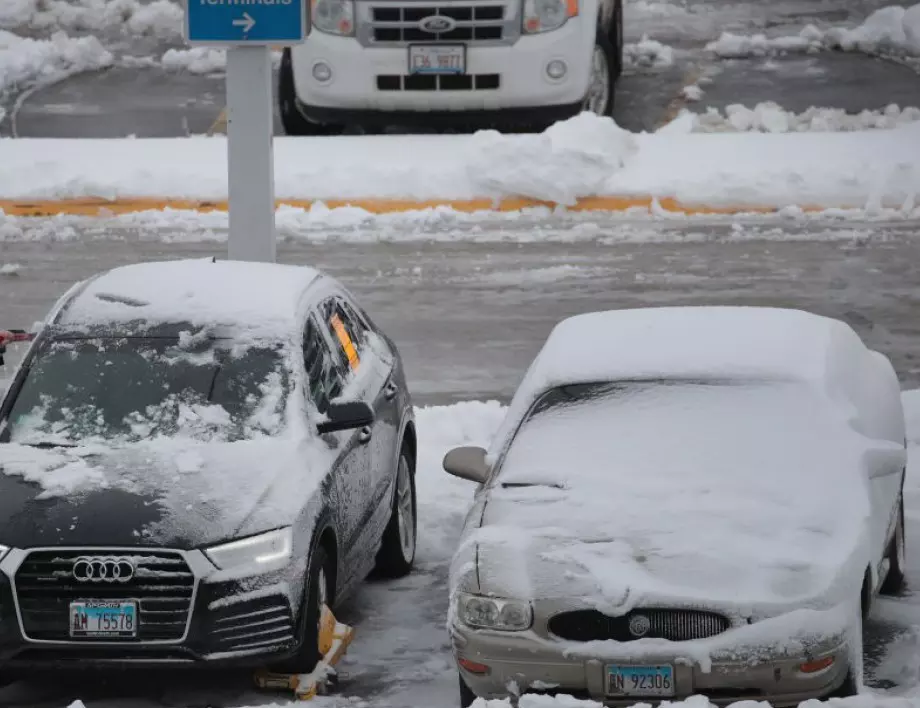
x=317, y=594
x=847, y=688
x=467, y=697
x=397, y=550
x=599, y=98
x=894, y=581
x=292, y=120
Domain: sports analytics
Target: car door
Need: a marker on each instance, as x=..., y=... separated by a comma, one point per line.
x=371, y=370
x=326, y=381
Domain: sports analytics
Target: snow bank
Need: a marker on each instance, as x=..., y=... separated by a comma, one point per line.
x=575, y=159
x=26, y=61
x=160, y=18
x=584, y=156
x=201, y=60
x=769, y=117
x=890, y=30
x=648, y=53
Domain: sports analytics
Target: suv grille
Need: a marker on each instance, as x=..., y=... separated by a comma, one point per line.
x=473, y=23
x=438, y=82
x=163, y=586
x=675, y=625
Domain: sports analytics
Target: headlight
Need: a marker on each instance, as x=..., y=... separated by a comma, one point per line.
x=334, y=16
x=267, y=549
x=494, y=613
x=547, y=15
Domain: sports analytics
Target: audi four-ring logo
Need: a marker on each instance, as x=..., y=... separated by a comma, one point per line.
x=103, y=570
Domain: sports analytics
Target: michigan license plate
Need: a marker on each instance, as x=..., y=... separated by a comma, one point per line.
x=437, y=59
x=103, y=618
x=640, y=680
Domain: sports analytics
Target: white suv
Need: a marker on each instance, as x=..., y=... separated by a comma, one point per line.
x=374, y=63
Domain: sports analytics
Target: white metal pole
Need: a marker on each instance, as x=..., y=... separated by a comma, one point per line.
x=250, y=155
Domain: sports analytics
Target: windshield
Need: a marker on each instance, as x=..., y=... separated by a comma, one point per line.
x=661, y=426
x=131, y=389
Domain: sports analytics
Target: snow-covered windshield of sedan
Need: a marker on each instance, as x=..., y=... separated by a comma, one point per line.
x=132, y=389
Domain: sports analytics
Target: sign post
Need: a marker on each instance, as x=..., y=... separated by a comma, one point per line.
x=247, y=29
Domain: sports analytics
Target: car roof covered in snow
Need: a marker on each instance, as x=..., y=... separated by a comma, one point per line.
x=690, y=342
x=265, y=300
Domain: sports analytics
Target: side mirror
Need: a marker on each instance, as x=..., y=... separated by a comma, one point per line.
x=467, y=463
x=347, y=415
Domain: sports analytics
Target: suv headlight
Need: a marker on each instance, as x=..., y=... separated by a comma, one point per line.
x=268, y=549
x=333, y=16
x=494, y=613
x=547, y=15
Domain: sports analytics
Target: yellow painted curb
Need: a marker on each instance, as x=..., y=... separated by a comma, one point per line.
x=104, y=207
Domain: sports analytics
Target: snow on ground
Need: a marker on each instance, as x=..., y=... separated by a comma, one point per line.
x=890, y=30
x=584, y=156
x=648, y=53
x=26, y=62
x=769, y=117
x=160, y=18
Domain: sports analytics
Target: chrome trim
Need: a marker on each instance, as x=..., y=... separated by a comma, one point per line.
x=197, y=562
x=365, y=24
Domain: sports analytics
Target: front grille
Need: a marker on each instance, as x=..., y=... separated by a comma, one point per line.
x=163, y=586
x=257, y=624
x=438, y=82
x=674, y=625
x=473, y=23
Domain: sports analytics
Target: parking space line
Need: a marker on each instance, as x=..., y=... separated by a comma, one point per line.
x=679, y=102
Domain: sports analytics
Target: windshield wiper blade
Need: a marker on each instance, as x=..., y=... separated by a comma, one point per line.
x=49, y=445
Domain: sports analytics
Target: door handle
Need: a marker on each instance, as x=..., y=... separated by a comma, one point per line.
x=390, y=391
x=365, y=434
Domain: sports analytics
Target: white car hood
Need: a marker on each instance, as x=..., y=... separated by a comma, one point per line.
x=702, y=497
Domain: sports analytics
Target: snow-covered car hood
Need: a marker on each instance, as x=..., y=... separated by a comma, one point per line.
x=689, y=499
x=160, y=492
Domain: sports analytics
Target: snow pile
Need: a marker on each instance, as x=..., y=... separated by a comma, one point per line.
x=202, y=60
x=769, y=117
x=571, y=159
x=648, y=53
x=890, y=30
x=582, y=157
x=197, y=60
x=160, y=18
x=29, y=61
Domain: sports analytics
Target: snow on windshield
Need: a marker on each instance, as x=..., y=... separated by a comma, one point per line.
x=675, y=486
x=131, y=389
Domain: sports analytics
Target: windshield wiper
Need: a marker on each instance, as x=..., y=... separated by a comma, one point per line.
x=49, y=445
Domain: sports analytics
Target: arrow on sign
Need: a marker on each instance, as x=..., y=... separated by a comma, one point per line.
x=246, y=22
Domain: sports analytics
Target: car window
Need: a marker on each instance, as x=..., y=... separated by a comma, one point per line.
x=323, y=376
x=135, y=388
x=347, y=330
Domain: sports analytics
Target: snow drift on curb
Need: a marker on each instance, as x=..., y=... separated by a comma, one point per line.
x=890, y=30
x=585, y=156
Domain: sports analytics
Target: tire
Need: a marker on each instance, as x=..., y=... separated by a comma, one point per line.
x=603, y=74
x=308, y=654
x=895, y=580
x=292, y=120
x=467, y=697
x=618, y=41
x=397, y=549
x=847, y=688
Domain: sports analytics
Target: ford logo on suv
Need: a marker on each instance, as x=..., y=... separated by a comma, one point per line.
x=435, y=24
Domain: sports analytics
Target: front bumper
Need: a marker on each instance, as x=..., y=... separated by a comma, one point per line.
x=374, y=79
x=523, y=662
x=195, y=620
